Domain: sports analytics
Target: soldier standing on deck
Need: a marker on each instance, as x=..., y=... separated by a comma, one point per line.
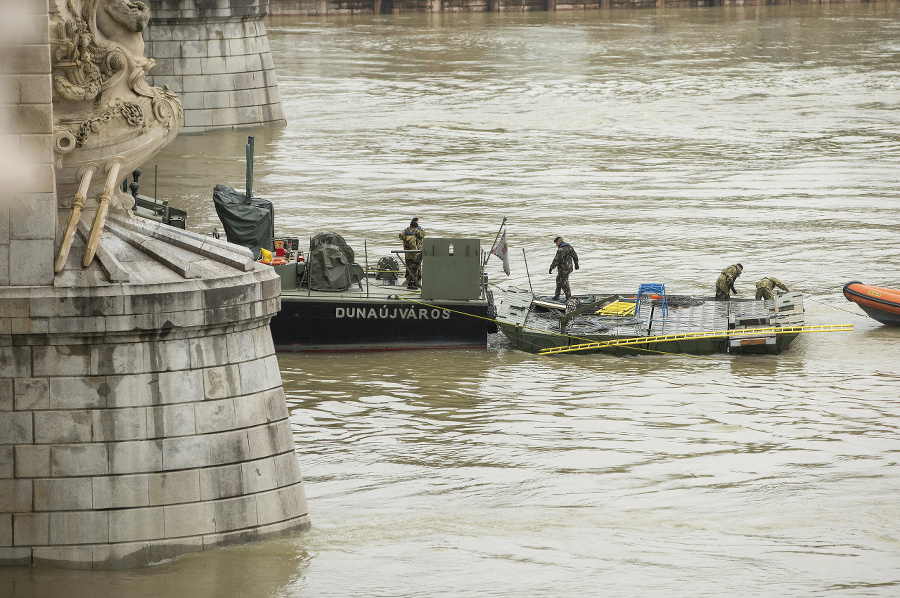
x=725, y=282
x=412, y=238
x=565, y=259
x=764, y=287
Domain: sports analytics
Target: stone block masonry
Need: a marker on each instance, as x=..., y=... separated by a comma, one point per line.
x=27, y=194
x=144, y=439
x=215, y=56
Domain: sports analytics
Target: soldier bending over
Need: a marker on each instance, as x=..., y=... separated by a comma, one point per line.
x=725, y=282
x=764, y=287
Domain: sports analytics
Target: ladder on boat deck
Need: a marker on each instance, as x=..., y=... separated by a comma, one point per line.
x=617, y=308
x=628, y=342
x=652, y=289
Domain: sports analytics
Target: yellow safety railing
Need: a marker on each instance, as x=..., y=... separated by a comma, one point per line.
x=738, y=332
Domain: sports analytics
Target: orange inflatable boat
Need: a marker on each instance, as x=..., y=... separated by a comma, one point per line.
x=879, y=303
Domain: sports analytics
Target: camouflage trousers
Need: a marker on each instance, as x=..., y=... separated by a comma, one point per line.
x=562, y=283
x=722, y=295
x=413, y=271
x=763, y=293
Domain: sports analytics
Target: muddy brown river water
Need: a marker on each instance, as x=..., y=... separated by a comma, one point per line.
x=664, y=145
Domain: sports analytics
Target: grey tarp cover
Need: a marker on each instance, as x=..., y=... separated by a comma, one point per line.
x=250, y=223
x=328, y=268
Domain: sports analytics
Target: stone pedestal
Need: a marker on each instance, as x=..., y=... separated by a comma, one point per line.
x=141, y=408
x=215, y=55
x=145, y=418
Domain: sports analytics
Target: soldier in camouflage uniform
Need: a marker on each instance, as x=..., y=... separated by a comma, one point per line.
x=565, y=259
x=412, y=238
x=725, y=282
x=764, y=287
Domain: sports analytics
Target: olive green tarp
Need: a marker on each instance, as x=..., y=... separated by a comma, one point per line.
x=329, y=269
x=332, y=238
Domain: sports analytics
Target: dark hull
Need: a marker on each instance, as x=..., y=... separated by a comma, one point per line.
x=534, y=341
x=879, y=304
x=370, y=324
x=885, y=317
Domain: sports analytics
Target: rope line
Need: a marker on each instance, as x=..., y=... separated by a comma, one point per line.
x=542, y=330
x=590, y=344
x=855, y=313
x=404, y=297
x=738, y=332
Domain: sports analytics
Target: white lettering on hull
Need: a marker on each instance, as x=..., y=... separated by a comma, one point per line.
x=388, y=313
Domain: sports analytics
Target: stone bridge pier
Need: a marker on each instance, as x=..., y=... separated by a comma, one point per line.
x=142, y=415
x=215, y=55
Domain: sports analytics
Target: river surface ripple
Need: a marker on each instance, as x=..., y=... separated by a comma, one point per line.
x=665, y=145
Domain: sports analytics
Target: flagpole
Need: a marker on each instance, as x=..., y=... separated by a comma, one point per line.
x=494, y=244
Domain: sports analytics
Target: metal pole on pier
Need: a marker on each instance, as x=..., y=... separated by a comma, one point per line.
x=249, y=185
x=526, y=271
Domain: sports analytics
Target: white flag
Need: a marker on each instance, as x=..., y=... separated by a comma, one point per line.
x=502, y=251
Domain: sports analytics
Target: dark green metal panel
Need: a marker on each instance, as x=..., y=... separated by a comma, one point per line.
x=451, y=269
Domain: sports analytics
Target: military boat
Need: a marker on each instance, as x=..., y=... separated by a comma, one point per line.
x=334, y=299
x=650, y=321
x=329, y=302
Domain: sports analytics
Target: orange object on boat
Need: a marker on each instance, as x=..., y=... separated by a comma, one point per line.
x=879, y=303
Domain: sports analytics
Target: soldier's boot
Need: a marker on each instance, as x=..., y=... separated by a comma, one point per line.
x=556, y=296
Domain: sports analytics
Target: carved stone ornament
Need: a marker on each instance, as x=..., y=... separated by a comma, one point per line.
x=103, y=108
